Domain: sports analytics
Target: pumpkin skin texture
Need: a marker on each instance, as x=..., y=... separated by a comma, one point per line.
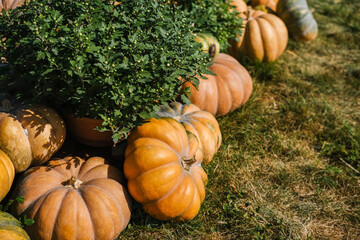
x=10, y=4
x=163, y=170
x=241, y=7
x=73, y=199
x=10, y=228
x=7, y=174
x=265, y=38
x=225, y=92
x=200, y=123
x=30, y=136
x=298, y=19
x=209, y=43
x=272, y=4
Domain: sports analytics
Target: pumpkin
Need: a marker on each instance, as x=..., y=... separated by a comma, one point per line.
x=298, y=19
x=209, y=43
x=73, y=199
x=164, y=170
x=200, y=123
x=10, y=228
x=10, y=4
x=30, y=136
x=265, y=37
x=7, y=174
x=272, y=4
x=225, y=92
x=241, y=7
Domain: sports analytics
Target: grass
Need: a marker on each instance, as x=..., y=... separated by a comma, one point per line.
x=287, y=168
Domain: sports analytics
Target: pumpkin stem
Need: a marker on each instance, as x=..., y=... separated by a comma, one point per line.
x=186, y=163
x=72, y=182
x=212, y=50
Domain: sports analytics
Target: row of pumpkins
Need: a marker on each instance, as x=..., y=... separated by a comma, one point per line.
x=72, y=198
x=75, y=199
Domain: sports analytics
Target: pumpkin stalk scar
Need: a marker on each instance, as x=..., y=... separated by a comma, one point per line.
x=186, y=163
x=72, y=182
x=212, y=50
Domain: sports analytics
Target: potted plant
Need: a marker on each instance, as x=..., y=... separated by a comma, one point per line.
x=219, y=18
x=112, y=62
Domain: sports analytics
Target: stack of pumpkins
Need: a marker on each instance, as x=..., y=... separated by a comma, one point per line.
x=266, y=35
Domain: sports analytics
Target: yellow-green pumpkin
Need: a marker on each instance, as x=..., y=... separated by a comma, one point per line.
x=209, y=43
x=10, y=228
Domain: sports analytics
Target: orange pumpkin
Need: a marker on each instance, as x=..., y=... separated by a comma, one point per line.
x=225, y=92
x=73, y=199
x=10, y=4
x=7, y=174
x=30, y=136
x=200, y=123
x=164, y=170
x=265, y=37
x=241, y=7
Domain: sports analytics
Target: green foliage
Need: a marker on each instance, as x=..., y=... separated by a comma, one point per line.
x=114, y=62
x=216, y=17
x=23, y=220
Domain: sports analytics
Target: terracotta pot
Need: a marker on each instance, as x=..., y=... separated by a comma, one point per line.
x=82, y=129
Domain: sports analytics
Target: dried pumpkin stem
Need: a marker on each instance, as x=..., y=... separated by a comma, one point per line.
x=72, y=182
x=186, y=163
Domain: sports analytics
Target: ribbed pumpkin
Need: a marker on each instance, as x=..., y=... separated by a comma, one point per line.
x=163, y=171
x=10, y=228
x=265, y=37
x=225, y=92
x=7, y=174
x=73, y=199
x=10, y=4
x=272, y=4
x=298, y=19
x=209, y=43
x=30, y=136
x=200, y=123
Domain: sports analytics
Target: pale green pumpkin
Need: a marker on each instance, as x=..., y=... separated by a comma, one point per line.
x=298, y=19
x=209, y=43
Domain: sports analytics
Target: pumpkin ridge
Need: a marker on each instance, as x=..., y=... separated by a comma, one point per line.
x=113, y=198
x=105, y=206
x=192, y=200
x=175, y=125
x=38, y=198
x=155, y=139
x=56, y=217
x=156, y=168
x=169, y=192
x=59, y=207
x=234, y=105
x=89, y=215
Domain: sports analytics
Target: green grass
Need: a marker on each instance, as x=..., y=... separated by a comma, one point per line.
x=283, y=170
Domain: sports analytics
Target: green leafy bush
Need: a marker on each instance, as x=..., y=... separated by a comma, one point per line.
x=115, y=62
x=216, y=17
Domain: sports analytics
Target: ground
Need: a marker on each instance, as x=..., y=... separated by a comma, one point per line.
x=289, y=164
